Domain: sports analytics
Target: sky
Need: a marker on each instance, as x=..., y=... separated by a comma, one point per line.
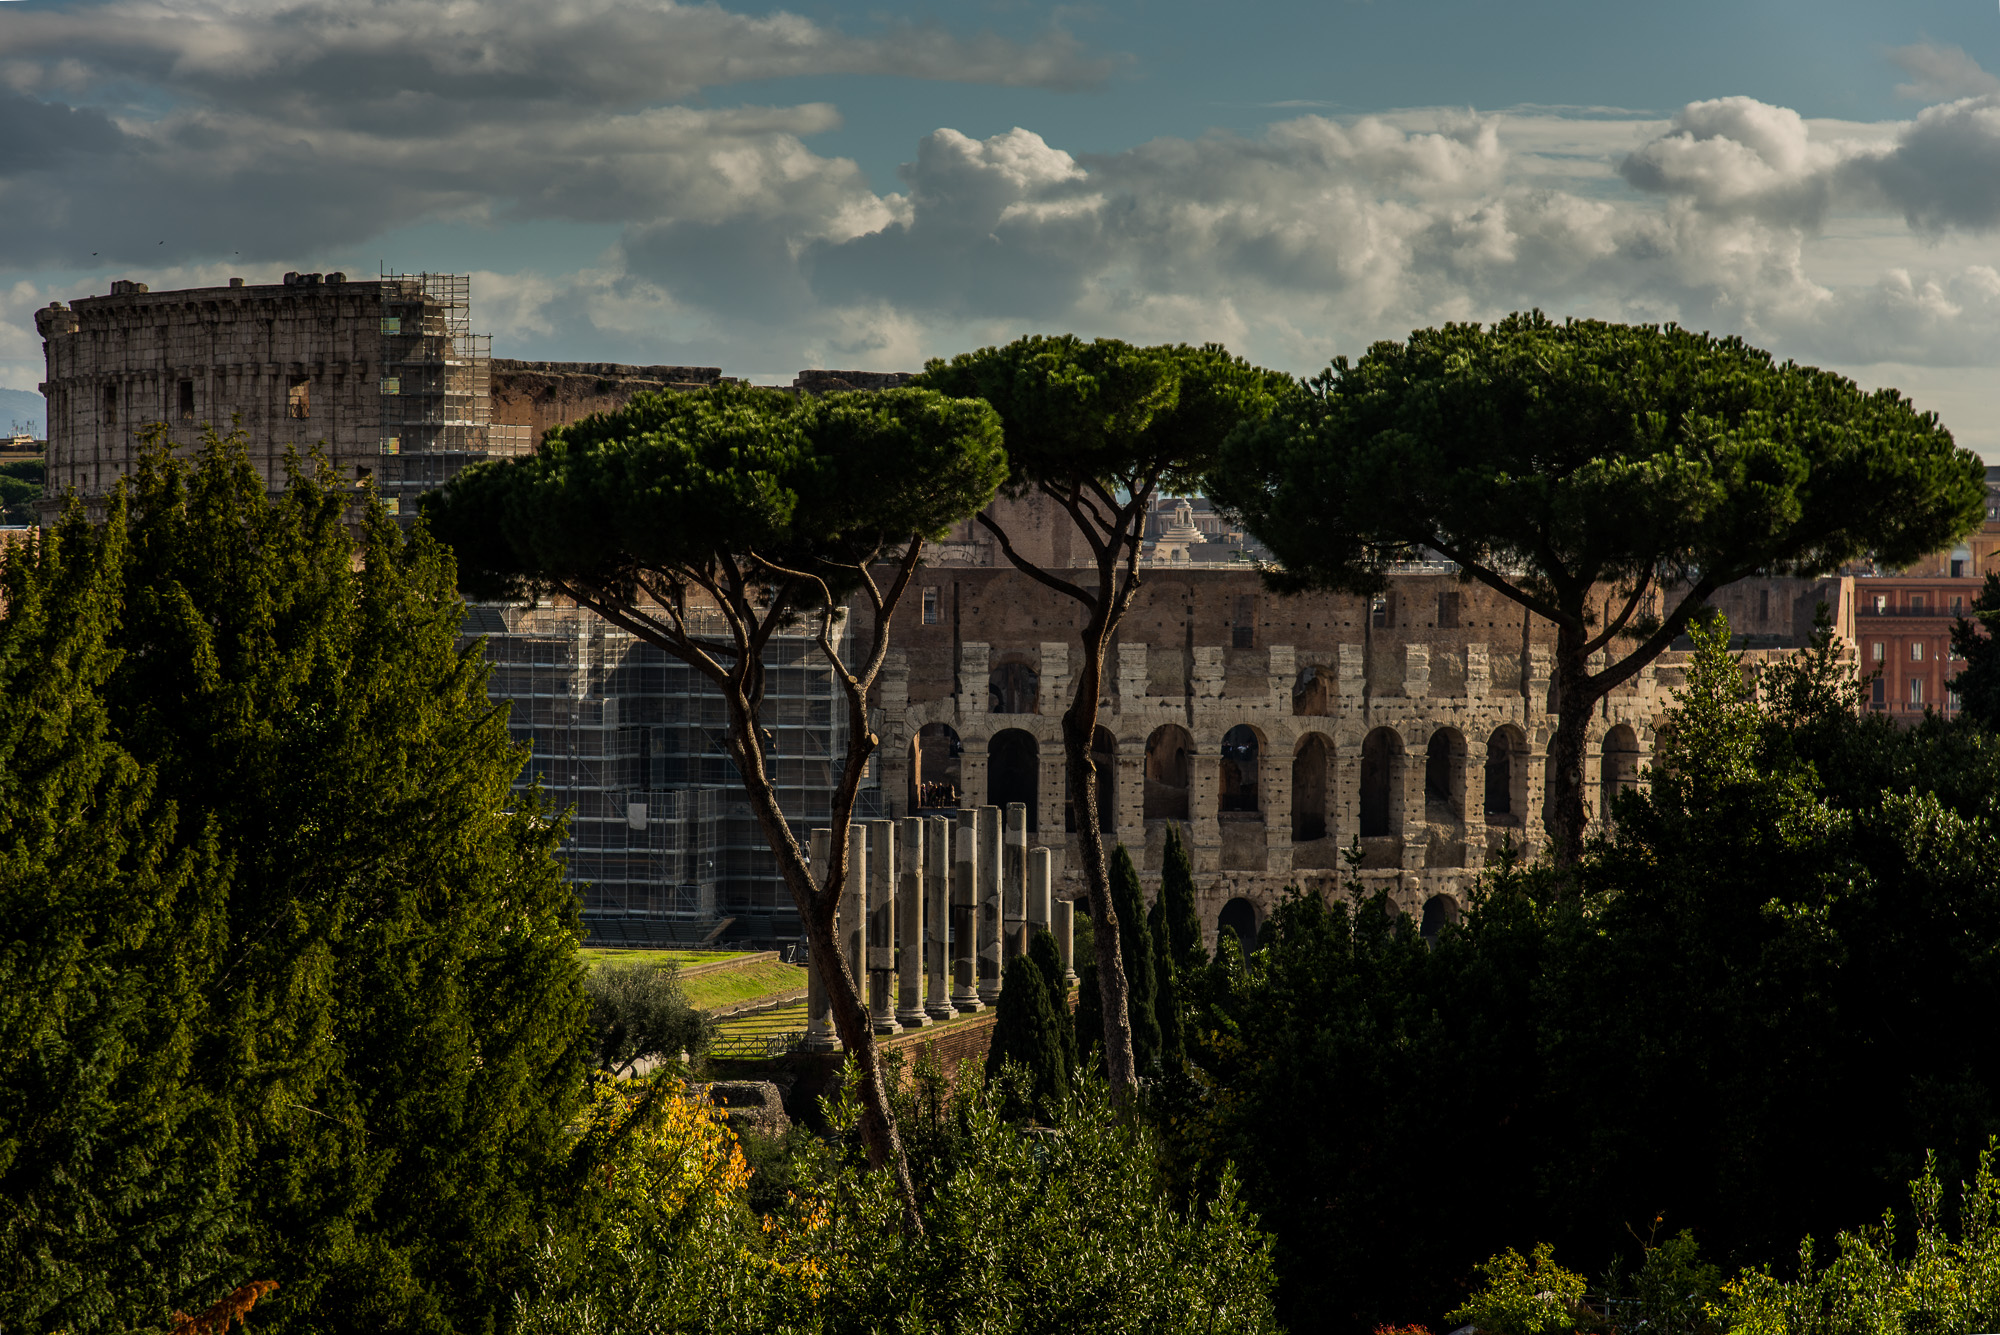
x=865, y=187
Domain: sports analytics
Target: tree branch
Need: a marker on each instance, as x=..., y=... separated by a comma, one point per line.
x=1033, y=571
x=1612, y=628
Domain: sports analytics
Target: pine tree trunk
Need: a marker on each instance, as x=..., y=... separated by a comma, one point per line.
x=1567, y=818
x=1079, y=731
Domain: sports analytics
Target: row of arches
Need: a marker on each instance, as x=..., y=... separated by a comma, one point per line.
x=1013, y=774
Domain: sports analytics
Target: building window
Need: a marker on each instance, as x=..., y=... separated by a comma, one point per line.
x=1381, y=612
x=1878, y=651
x=1881, y=692
x=1243, y=626
x=1916, y=690
x=392, y=385
x=1957, y=568
x=298, y=397
x=1951, y=701
x=187, y=400
x=111, y=405
x=1881, y=603
x=392, y=324
x=1958, y=604
x=931, y=612
x=1448, y=611
x=1916, y=651
x=1916, y=602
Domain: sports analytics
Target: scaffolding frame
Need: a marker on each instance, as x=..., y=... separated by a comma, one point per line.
x=635, y=741
x=436, y=385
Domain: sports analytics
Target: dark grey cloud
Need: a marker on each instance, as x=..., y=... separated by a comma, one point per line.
x=38, y=136
x=1944, y=172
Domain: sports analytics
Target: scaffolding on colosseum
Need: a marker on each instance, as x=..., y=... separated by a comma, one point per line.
x=435, y=386
x=634, y=741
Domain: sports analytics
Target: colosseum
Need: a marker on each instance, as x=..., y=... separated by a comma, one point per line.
x=1275, y=729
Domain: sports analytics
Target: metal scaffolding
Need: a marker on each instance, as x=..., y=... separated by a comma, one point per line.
x=634, y=741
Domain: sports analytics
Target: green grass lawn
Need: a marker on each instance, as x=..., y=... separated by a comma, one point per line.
x=654, y=958
x=729, y=987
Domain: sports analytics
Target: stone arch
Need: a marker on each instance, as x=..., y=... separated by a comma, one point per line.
x=1440, y=912
x=1012, y=687
x=1104, y=755
x=934, y=767
x=1236, y=789
x=1444, y=776
x=1167, y=772
x=1381, y=784
x=1506, y=796
x=1240, y=914
x=1312, y=764
x=1013, y=771
x=1620, y=768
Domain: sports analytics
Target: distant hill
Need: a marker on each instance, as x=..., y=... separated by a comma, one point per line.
x=23, y=406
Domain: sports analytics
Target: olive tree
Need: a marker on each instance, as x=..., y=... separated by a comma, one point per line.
x=704, y=524
x=1583, y=470
x=1100, y=428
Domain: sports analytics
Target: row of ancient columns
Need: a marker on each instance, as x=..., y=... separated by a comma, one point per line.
x=932, y=909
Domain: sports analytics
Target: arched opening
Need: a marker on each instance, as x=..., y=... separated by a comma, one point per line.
x=1312, y=693
x=1011, y=688
x=1167, y=752
x=1381, y=775
x=1309, y=770
x=1237, y=790
x=1013, y=770
x=1240, y=915
x=1104, y=756
x=934, y=767
x=1620, y=769
x=1506, y=777
x=1444, y=776
x=1440, y=912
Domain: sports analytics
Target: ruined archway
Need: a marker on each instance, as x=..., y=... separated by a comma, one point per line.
x=1619, y=771
x=1444, y=776
x=1013, y=771
x=934, y=768
x=1311, y=764
x=1381, y=783
x=1236, y=789
x=1440, y=912
x=1239, y=915
x=1167, y=771
x=1506, y=797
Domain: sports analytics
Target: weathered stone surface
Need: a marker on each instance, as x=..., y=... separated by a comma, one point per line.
x=748, y=1105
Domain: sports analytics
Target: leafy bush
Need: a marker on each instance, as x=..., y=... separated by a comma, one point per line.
x=641, y=1012
x=1524, y=1295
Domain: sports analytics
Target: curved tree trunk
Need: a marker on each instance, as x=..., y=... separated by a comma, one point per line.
x=1079, y=731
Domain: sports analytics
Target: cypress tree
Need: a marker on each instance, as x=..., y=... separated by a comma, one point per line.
x=1048, y=957
x=390, y=1017
x=1025, y=1033
x=1177, y=893
x=1135, y=946
x=117, y=1162
x=1167, y=1002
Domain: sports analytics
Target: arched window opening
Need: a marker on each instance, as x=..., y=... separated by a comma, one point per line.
x=1237, y=790
x=1239, y=915
x=1440, y=912
x=1506, y=798
x=1013, y=771
x=1381, y=767
x=1309, y=772
x=1444, y=776
x=934, y=768
x=1167, y=753
x=1011, y=688
x=1619, y=771
x=1104, y=756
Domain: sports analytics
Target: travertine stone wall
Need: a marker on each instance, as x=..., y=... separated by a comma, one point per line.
x=539, y=395
x=116, y=363
x=1321, y=676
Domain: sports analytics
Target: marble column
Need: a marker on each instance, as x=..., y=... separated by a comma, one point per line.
x=882, y=866
x=819, y=1011
x=937, y=917
x=1041, y=884
x=1014, y=884
x=989, y=904
x=854, y=910
x=965, y=912
x=910, y=852
x=1065, y=930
